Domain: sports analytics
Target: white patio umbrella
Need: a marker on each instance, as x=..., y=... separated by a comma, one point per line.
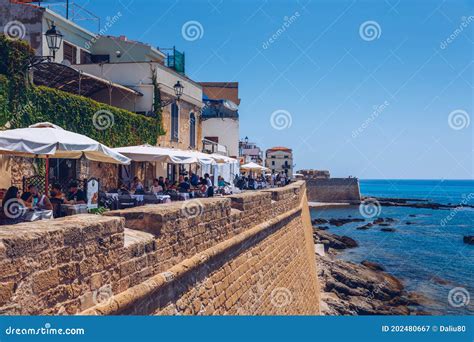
x=148, y=153
x=254, y=167
x=45, y=140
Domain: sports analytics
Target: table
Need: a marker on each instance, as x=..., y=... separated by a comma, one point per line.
x=183, y=195
x=37, y=214
x=138, y=198
x=74, y=209
x=164, y=198
x=112, y=195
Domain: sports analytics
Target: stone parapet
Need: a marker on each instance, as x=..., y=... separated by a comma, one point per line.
x=238, y=254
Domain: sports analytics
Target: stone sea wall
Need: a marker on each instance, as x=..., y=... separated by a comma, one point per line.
x=333, y=190
x=244, y=254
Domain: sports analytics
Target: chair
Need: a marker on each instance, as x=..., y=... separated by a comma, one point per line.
x=126, y=201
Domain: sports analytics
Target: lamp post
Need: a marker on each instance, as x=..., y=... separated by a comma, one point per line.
x=178, y=92
x=54, y=38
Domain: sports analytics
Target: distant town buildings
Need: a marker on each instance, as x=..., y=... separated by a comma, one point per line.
x=320, y=174
x=279, y=159
x=250, y=152
x=220, y=117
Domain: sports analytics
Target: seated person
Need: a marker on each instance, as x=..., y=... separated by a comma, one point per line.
x=156, y=187
x=203, y=188
x=75, y=195
x=161, y=182
x=33, y=199
x=137, y=186
x=184, y=185
x=194, y=179
x=221, y=182
x=56, y=198
x=56, y=193
x=12, y=207
x=27, y=197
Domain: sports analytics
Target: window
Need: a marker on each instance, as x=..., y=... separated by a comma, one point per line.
x=174, y=122
x=70, y=53
x=192, y=130
x=286, y=156
x=273, y=162
x=86, y=57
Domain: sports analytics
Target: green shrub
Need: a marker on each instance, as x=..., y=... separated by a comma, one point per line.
x=23, y=104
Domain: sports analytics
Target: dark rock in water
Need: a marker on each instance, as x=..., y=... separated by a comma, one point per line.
x=378, y=220
x=469, y=239
x=319, y=221
x=349, y=242
x=384, y=224
x=349, y=216
x=440, y=281
x=364, y=227
x=333, y=240
x=408, y=223
x=323, y=227
x=391, y=230
x=389, y=219
x=412, y=215
x=352, y=289
x=373, y=265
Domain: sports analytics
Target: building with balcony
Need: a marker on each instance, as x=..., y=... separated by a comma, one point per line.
x=118, y=71
x=220, y=117
x=250, y=152
x=280, y=159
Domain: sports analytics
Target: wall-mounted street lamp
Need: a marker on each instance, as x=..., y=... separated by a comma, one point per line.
x=54, y=38
x=178, y=92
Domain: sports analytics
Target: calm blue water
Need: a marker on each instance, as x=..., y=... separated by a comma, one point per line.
x=429, y=258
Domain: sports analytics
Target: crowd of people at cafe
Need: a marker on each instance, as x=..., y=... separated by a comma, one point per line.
x=191, y=185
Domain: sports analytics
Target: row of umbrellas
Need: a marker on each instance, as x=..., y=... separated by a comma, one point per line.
x=46, y=140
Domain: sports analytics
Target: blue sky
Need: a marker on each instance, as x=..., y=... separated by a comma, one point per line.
x=371, y=106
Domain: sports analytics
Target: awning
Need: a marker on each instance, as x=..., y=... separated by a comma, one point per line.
x=66, y=78
x=254, y=167
x=148, y=153
x=47, y=140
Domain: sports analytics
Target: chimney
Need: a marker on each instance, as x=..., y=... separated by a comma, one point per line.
x=123, y=38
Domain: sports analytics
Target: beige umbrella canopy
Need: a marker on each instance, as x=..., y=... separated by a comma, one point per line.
x=253, y=167
x=45, y=140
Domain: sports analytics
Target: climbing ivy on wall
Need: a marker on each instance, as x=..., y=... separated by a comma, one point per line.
x=23, y=104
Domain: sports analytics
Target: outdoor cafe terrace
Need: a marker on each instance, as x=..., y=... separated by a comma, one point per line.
x=42, y=197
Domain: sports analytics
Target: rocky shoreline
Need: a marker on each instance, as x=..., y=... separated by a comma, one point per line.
x=348, y=288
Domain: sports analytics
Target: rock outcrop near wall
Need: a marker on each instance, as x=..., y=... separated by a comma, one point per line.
x=333, y=190
x=245, y=254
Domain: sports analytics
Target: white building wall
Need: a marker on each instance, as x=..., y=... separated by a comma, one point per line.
x=226, y=129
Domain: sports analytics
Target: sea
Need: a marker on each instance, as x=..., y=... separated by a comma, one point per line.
x=428, y=254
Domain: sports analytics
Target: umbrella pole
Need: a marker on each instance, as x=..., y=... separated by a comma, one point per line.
x=46, y=181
